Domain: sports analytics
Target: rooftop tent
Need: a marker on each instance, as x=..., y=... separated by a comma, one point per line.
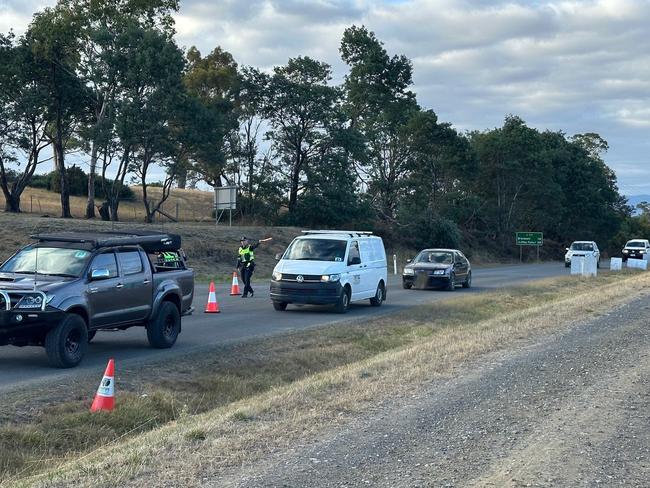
x=149, y=241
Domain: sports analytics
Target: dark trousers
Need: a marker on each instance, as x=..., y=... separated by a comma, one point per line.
x=246, y=275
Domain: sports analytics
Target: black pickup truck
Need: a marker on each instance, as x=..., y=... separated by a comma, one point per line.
x=60, y=290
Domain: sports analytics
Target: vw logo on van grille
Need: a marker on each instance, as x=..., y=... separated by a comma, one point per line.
x=300, y=278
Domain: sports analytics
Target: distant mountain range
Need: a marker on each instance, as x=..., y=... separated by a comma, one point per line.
x=634, y=200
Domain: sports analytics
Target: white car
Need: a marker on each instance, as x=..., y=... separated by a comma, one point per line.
x=636, y=249
x=331, y=268
x=581, y=249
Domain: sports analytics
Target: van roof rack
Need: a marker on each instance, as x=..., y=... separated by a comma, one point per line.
x=351, y=233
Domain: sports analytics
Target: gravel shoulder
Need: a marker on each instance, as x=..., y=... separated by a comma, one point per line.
x=571, y=409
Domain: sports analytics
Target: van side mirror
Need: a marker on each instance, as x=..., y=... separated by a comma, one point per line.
x=278, y=256
x=355, y=260
x=99, y=274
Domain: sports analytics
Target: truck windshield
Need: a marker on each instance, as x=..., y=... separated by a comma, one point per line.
x=640, y=244
x=582, y=246
x=53, y=261
x=316, y=250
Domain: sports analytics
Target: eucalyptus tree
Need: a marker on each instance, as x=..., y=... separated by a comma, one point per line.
x=24, y=122
x=301, y=108
x=103, y=26
x=379, y=105
x=53, y=39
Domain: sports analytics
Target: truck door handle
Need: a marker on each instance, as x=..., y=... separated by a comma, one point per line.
x=146, y=282
x=94, y=289
x=119, y=286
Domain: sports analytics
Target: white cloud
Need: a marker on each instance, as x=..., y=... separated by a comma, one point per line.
x=571, y=65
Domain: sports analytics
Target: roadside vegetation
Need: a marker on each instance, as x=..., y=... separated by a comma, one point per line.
x=233, y=405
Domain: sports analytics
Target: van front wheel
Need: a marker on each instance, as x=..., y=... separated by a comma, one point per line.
x=344, y=301
x=380, y=296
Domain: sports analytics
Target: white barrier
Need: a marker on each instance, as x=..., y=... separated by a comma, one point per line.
x=637, y=264
x=591, y=266
x=616, y=264
x=577, y=265
x=584, y=265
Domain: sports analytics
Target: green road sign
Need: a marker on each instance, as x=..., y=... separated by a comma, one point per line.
x=529, y=238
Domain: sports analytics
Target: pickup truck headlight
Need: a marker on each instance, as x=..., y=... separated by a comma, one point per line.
x=408, y=272
x=641, y=251
x=333, y=278
x=439, y=271
x=277, y=276
x=30, y=302
x=625, y=251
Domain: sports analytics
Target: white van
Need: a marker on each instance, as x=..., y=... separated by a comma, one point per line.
x=331, y=268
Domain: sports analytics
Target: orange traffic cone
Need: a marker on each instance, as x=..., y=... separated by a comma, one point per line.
x=105, y=397
x=234, y=290
x=212, y=306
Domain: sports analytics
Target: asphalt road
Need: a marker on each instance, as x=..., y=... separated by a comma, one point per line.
x=240, y=320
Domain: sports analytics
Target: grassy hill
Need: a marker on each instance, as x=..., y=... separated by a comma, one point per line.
x=192, y=205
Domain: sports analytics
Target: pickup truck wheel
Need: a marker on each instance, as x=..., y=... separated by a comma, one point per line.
x=406, y=286
x=280, y=306
x=163, y=330
x=344, y=302
x=380, y=296
x=66, y=344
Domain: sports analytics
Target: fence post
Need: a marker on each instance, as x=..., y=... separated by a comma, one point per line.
x=394, y=264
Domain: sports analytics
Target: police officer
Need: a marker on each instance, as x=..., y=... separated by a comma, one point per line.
x=246, y=261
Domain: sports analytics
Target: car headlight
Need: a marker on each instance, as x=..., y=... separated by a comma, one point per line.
x=30, y=302
x=409, y=271
x=625, y=251
x=439, y=271
x=276, y=276
x=333, y=278
x=641, y=251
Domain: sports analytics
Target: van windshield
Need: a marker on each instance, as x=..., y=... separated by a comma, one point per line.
x=53, y=261
x=316, y=250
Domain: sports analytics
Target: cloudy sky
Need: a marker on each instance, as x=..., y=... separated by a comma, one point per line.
x=575, y=66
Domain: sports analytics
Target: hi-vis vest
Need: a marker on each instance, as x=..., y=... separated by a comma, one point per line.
x=246, y=255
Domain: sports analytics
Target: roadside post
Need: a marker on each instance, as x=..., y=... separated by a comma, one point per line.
x=529, y=239
x=394, y=264
x=616, y=264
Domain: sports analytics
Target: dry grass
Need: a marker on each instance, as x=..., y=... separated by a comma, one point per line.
x=193, y=205
x=270, y=394
x=212, y=250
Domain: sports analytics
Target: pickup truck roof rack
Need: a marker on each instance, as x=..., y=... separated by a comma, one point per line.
x=149, y=241
x=351, y=233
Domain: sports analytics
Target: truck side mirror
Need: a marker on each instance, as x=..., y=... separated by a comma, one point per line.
x=409, y=260
x=99, y=274
x=278, y=256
